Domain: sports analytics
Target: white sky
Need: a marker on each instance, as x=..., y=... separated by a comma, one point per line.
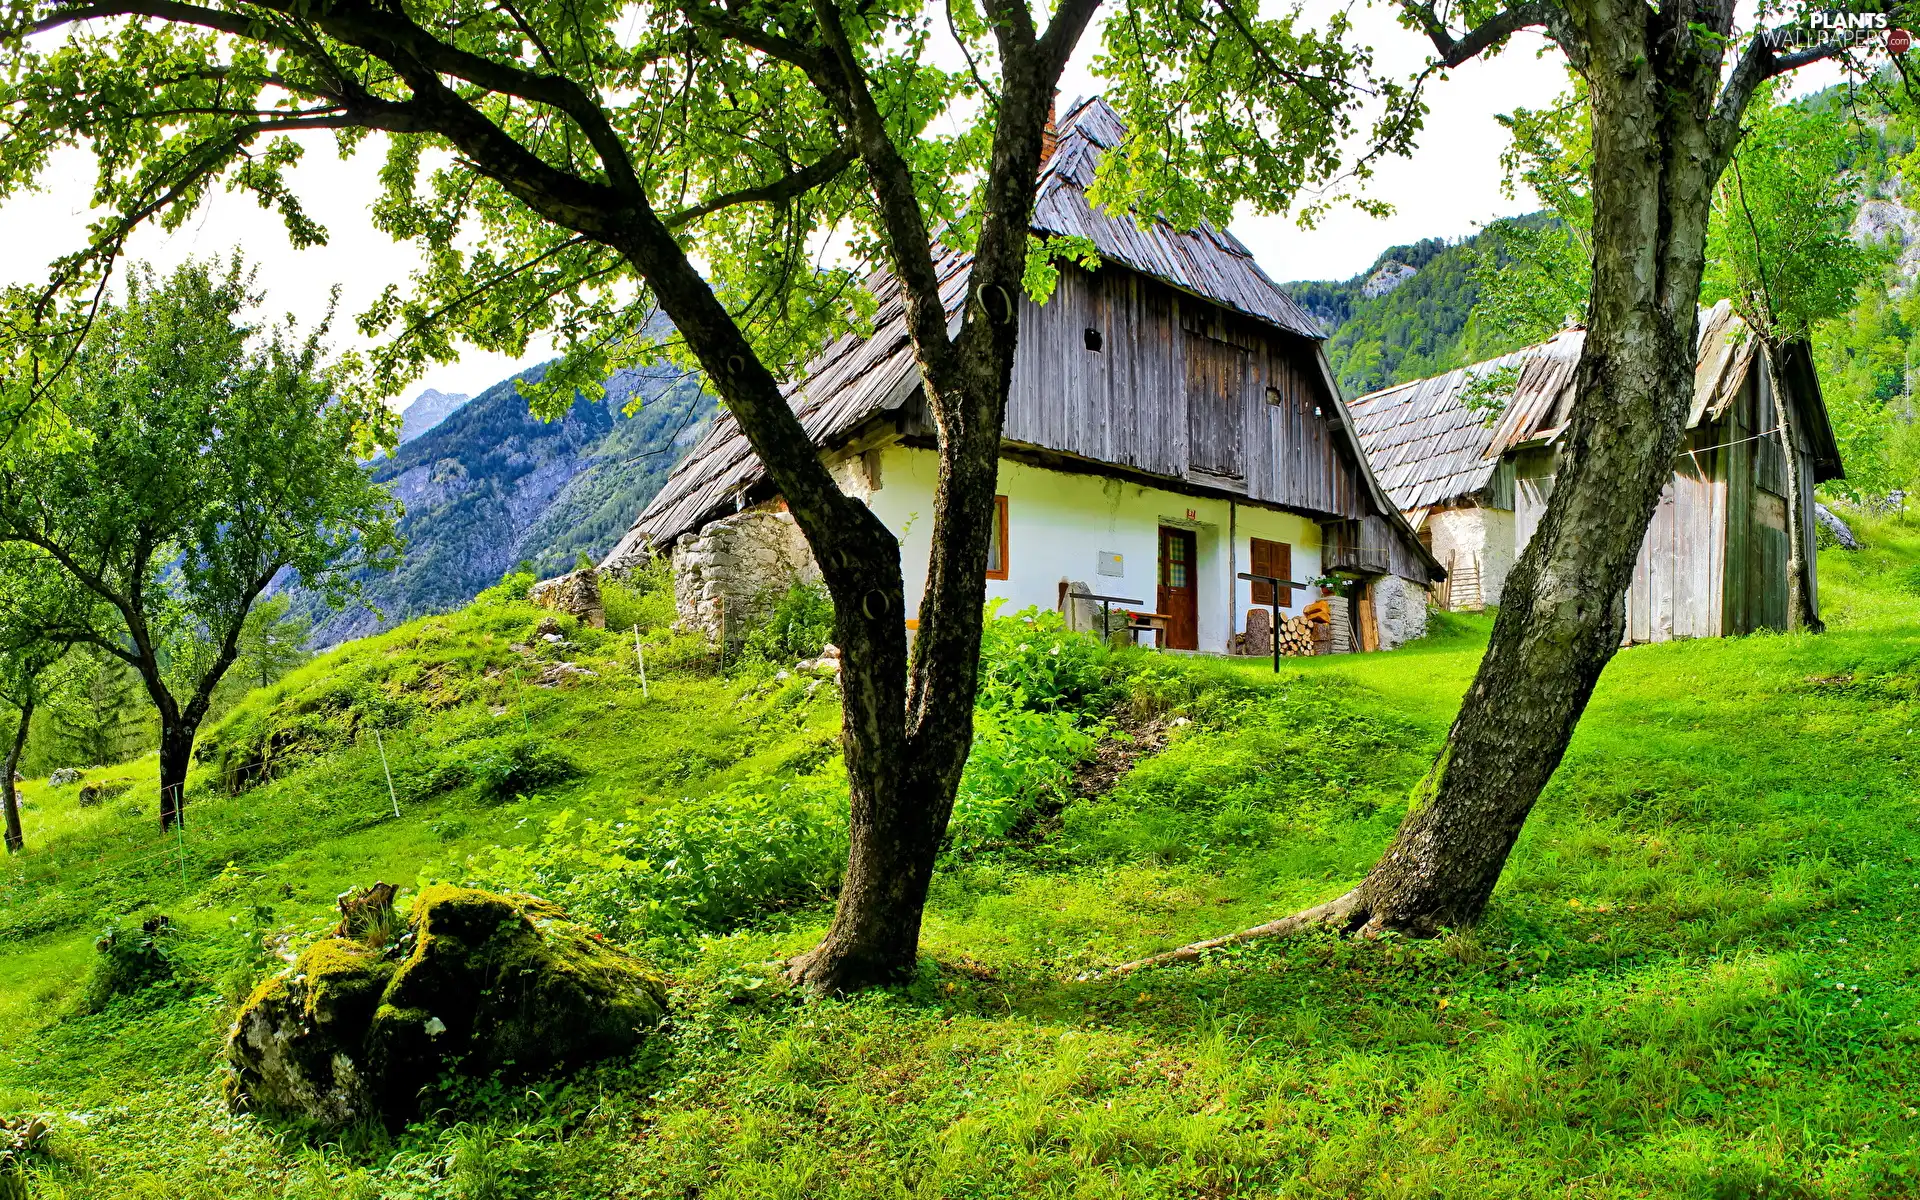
x=1447, y=188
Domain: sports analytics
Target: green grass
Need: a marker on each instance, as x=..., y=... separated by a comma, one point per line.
x=1697, y=978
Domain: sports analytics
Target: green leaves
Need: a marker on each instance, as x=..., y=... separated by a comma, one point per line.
x=1780, y=246
x=203, y=453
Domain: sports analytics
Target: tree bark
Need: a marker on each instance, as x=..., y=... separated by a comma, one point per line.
x=9, y=796
x=1657, y=154
x=176, y=754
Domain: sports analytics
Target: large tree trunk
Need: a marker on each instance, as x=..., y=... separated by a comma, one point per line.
x=904, y=784
x=176, y=754
x=1655, y=164
x=9, y=797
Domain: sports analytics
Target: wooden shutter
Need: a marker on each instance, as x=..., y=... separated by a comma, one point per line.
x=1275, y=559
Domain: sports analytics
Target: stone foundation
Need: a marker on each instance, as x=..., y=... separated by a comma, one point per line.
x=729, y=577
x=1400, y=610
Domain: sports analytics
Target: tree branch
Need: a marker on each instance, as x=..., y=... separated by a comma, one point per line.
x=1455, y=51
x=1760, y=62
x=844, y=81
x=787, y=187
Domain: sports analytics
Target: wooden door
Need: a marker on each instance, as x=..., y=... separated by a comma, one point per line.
x=1178, y=596
x=1216, y=406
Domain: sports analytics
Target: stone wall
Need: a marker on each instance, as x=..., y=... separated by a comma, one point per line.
x=1400, y=611
x=732, y=574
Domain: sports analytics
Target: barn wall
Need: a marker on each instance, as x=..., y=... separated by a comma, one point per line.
x=1181, y=388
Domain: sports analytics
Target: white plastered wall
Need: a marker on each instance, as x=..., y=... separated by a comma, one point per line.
x=1470, y=537
x=1060, y=523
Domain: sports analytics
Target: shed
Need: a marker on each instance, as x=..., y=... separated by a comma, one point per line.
x=1469, y=457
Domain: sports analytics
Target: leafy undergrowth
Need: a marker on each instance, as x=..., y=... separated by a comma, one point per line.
x=1696, y=980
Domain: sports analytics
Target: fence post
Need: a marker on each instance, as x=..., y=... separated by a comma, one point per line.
x=387, y=771
x=640, y=656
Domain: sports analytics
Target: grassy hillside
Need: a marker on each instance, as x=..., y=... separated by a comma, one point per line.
x=1696, y=979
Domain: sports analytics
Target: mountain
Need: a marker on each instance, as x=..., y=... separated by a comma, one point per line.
x=490, y=486
x=428, y=409
x=1402, y=318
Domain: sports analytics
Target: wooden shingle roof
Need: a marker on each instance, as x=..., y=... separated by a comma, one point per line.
x=856, y=379
x=1428, y=448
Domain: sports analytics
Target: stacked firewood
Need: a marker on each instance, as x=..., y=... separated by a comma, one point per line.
x=1309, y=633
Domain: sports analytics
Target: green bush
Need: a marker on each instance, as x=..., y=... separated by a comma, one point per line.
x=643, y=600
x=128, y=960
x=1031, y=660
x=701, y=865
x=1021, y=761
x=800, y=627
x=504, y=767
x=512, y=589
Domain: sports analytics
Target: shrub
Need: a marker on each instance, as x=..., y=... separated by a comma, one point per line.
x=512, y=589
x=129, y=960
x=1021, y=761
x=1031, y=660
x=697, y=866
x=643, y=600
x=505, y=767
x=800, y=627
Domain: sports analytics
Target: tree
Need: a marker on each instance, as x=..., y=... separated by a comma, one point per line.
x=186, y=459
x=271, y=642
x=96, y=708
x=564, y=166
x=1667, y=104
x=29, y=589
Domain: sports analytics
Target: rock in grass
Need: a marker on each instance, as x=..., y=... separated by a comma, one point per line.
x=480, y=983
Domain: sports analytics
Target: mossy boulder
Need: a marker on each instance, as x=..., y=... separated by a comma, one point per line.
x=479, y=983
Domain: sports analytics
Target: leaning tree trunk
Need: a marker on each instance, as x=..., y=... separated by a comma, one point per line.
x=9, y=796
x=1655, y=165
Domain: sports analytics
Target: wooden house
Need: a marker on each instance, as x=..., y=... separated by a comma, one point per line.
x=1469, y=457
x=1172, y=424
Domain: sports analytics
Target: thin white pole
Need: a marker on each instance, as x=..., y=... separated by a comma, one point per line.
x=391, y=794
x=640, y=656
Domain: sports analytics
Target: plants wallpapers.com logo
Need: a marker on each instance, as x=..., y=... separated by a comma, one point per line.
x=1821, y=27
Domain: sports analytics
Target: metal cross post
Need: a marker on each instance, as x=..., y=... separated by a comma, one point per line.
x=1106, y=610
x=1273, y=597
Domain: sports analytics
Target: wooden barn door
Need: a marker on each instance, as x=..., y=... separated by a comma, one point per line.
x=1178, y=596
x=1217, y=375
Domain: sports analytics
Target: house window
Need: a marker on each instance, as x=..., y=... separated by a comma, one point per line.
x=1093, y=340
x=1274, y=559
x=997, y=541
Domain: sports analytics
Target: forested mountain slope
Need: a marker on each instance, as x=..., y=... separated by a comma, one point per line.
x=1402, y=318
x=491, y=486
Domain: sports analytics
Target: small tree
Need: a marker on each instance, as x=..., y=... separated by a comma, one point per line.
x=271, y=642
x=96, y=708
x=188, y=459
x=28, y=591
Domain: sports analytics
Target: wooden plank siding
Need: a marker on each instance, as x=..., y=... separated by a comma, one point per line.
x=1184, y=389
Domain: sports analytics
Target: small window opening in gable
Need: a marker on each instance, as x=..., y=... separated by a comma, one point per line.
x=1093, y=340
x=1275, y=398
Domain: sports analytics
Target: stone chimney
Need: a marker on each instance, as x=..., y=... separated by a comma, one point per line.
x=1050, y=136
